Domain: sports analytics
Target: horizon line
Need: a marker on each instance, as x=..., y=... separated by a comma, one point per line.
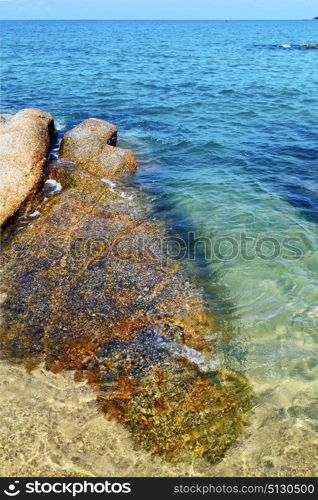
x=149, y=19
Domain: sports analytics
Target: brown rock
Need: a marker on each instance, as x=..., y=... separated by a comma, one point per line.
x=89, y=287
x=94, y=253
x=91, y=145
x=24, y=145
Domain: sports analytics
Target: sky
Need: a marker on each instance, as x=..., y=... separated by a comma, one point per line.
x=158, y=9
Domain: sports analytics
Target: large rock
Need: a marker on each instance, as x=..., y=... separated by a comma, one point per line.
x=91, y=145
x=90, y=286
x=24, y=145
x=90, y=267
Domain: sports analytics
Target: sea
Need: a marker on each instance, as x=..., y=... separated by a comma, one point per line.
x=223, y=118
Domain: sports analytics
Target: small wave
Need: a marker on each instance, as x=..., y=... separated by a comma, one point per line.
x=113, y=189
x=176, y=350
x=110, y=183
x=60, y=124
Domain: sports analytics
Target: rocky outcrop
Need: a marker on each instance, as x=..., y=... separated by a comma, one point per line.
x=90, y=286
x=24, y=145
x=89, y=145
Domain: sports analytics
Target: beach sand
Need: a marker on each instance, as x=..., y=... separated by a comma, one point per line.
x=51, y=427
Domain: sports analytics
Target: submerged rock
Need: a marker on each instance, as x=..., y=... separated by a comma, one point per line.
x=168, y=403
x=89, y=145
x=90, y=286
x=24, y=146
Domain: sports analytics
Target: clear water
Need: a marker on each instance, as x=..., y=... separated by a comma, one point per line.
x=223, y=119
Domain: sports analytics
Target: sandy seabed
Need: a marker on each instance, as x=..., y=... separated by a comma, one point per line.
x=50, y=426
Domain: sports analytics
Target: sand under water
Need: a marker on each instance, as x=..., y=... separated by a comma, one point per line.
x=51, y=427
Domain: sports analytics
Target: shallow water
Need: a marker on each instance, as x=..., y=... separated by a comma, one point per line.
x=223, y=117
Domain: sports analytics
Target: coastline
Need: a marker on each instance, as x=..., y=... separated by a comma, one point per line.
x=128, y=321
x=226, y=142
x=52, y=402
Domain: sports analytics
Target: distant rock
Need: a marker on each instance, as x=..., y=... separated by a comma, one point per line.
x=91, y=145
x=24, y=146
x=309, y=46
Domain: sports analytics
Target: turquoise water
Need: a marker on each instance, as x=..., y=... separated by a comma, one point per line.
x=224, y=120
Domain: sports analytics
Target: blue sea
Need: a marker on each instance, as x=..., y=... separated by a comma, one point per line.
x=223, y=117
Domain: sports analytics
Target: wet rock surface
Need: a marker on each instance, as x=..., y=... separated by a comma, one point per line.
x=24, y=146
x=87, y=286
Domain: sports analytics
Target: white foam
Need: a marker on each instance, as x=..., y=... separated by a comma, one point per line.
x=52, y=186
x=286, y=46
x=124, y=195
x=110, y=183
x=34, y=214
x=55, y=150
x=113, y=185
x=60, y=124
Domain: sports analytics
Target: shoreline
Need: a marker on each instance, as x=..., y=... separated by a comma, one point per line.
x=74, y=439
x=132, y=323
x=223, y=120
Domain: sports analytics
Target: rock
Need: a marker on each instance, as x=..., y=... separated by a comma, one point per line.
x=90, y=287
x=24, y=146
x=309, y=46
x=171, y=406
x=91, y=145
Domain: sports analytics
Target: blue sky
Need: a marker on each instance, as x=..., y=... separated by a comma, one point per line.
x=158, y=9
